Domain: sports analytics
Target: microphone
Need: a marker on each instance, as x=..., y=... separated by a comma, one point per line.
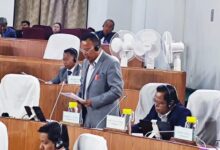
x=110, y=111
x=34, y=76
x=156, y=134
x=58, y=96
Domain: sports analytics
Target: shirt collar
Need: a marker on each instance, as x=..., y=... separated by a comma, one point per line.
x=162, y=117
x=98, y=58
x=72, y=69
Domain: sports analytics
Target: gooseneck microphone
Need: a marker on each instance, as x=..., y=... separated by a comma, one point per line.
x=110, y=111
x=57, y=99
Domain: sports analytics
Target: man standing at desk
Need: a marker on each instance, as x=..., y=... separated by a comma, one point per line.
x=101, y=83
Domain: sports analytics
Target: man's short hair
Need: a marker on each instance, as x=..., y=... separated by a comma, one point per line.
x=3, y=21
x=110, y=20
x=170, y=94
x=73, y=52
x=56, y=132
x=92, y=36
x=25, y=21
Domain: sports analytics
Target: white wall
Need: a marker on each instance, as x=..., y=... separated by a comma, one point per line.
x=97, y=13
x=166, y=15
x=118, y=10
x=7, y=10
x=202, y=39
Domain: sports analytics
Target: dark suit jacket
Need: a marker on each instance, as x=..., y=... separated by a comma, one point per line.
x=62, y=75
x=107, y=38
x=177, y=117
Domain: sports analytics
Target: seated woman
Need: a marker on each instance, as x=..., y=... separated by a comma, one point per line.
x=167, y=108
x=54, y=136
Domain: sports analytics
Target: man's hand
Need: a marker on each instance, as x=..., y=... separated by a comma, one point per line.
x=87, y=103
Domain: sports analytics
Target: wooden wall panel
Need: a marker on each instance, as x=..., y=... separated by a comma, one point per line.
x=22, y=47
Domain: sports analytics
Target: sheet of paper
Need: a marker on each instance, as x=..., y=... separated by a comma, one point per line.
x=73, y=96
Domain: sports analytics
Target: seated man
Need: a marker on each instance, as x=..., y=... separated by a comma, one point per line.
x=24, y=25
x=106, y=34
x=54, y=136
x=167, y=108
x=6, y=31
x=71, y=67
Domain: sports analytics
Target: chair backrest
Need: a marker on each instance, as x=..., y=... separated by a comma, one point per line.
x=47, y=29
x=57, y=43
x=77, y=32
x=205, y=104
x=146, y=101
x=3, y=137
x=89, y=142
x=17, y=91
x=34, y=33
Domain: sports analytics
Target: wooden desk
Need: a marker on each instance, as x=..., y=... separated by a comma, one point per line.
x=49, y=93
x=134, y=78
x=22, y=47
x=23, y=135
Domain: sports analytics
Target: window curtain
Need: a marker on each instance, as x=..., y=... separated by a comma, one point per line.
x=71, y=13
x=26, y=10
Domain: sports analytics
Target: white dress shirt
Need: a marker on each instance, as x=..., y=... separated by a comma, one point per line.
x=71, y=70
x=90, y=72
x=163, y=117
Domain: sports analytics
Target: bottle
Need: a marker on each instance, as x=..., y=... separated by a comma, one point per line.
x=73, y=107
x=191, y=124
x=128, y=114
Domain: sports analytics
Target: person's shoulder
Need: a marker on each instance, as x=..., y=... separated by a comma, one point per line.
x=182, y=109
x=112, y=33
x=109, y=58
x=62, y=69
x=10, y=29
x=99, y=33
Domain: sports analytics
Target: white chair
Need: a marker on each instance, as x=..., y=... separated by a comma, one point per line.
x=88, y=141
x=205, y=104
x=57, y=43
x=146, y=101
x=17, y=91
x=3, y=137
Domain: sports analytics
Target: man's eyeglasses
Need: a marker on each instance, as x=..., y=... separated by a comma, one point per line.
x=86, y=50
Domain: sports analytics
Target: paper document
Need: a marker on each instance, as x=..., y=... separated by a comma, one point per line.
x=73, y=96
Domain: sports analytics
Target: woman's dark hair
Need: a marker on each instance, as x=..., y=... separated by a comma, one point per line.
x=56, y=132
x=58, y=24
x=170, y=94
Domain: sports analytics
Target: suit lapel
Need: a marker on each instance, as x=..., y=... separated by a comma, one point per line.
x=84, y=78
x=65, y=75
x=76, y=70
